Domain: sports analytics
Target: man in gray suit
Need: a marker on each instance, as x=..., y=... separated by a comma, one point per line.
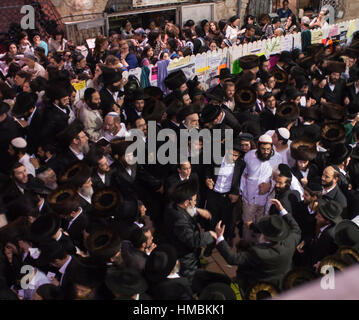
x=267, y=261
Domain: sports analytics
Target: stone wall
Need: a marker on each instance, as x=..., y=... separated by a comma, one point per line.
x=226, y=9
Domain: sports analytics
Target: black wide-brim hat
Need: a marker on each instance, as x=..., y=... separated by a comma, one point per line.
x=330, y=209
x=339, y=153
x=245, y=97
x=125, y=282
x=216, y=93
x=288, y=110
x=217, y=291
x=225, y=73
x=306, y=62
x=280, y=76
x=297, y=277
x=44, y=227
x=139, y=94
x=209, y=113
x=349, y=255
x=262, y=290
x=332, y=111
x=273, y=227
x=76, y=175
x=286, y=57
x=332, y=133
x=314, y=49
x=303, y=150
x=103, y=242
x=249, y=62
x=110, y=76
x=106, y=201
x=60, y=196
x=353, y=108
x=202, y=278
x=311, y=113
x=24, y=102
x=154, y=92
x=175, y=79
x=160, y=263
x=48, y=250
x=351, y=53
x=154, y=110
x=335, y=66
x=346, y=233
x=332, y=262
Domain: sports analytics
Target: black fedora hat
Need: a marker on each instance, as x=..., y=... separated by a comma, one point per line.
x=339, y=153
x=106, y=201
x=245, y=97
x=262, y=290
x=288, y=110
x=103, y=242
x=125, y=282
x=249, y=62
x=170, y=290
x=330, y=209
x=24, y=102
x=225, y=73
x=44, y=227
x=297, y=277
x=332, y=133
x=202, y=278
x=291, y=93
x=175, y=79
x=110, y=76
x=286, y=57
x=154, y=110
x=314, y=184
x=209, y=113
x=139, y=94
x=160, y=263
x=273, y=227
x=303, y=150
x=346, y=233
x=332, y=111
x=77, y=174
x=154, y=92
x=217, y=291
x=48, y=251
x=216, y=93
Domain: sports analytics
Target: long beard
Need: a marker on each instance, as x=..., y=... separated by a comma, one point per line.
x=85, y=148
x=52, y=186
x=328, y=185
x=191, y=211
x=279, y=192
x=261, y=157
x=87, y=192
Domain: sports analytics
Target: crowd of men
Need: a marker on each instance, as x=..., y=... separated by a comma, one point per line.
x=93, y=224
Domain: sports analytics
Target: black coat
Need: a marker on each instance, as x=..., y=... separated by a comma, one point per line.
x=34, y=131
x=267, y=120
x=133, y=258
x=9, y=130
x=176, y=284
x=63, y=160
x=107, y=102
x=76, y=230
x=350, y=93
x=338, y=196
x=337, y=95
x=313, y=172
x=264, y=262
x=184, y=234
x=305, y=220
x=353, y=204
x=54, y=122
x=131, y=114
x=289, y=200
x=97, y=183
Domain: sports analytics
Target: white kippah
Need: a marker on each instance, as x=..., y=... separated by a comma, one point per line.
x=284, y=132
x=19, y=143
x=270, y=133
x=265, y=139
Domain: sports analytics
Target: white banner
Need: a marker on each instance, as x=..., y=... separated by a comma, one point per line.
x=148, y=3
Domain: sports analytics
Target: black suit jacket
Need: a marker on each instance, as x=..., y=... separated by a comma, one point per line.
x=338, y=196
x=350, y=93
x=337, y=95
x=70, y=272
x=264, y=262
x=313, y=171
x=353, y=204
x=34, y=131
x=107, y=102
x=97, y=183
x=54, y=122
x=181, y=289
x=76, y=230
x=305, y=220
x=267, y=120
x=133, y=258
x=289, y=200
x=63, y=160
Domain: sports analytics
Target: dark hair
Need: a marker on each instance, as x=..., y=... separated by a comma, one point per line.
x=267, y=95
x=152, y=38
x=58, y=31
x=24, y=75
x=94, y=156
x=88, y=94
x=313, y=193
x=172, y=44
x=233, y=18
x=137, y=238
x=250, y=26
x=182, y=191
x=49, y=291
x=14, y=68
x=15, y=166
x=187, y=32
x=275, y=20
x=186, y=51
x=38, y=84
x=22, y=35
x=189, y=23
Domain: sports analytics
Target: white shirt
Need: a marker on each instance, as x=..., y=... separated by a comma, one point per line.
x=30, y=118
x=102, y=177
x=114, y=95
x=25, y=161
x=79, y=156
x=304, y=173
x=255, y=173
x=331, y=86
x=62, y=270
x=38, y=280
x=276, y=159
x=88, y=199
x=232, y=34
x=72, y=221
x=225, y=176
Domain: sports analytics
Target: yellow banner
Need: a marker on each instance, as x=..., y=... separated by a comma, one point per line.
x=79, y=85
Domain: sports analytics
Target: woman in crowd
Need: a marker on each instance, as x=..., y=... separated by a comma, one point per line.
x=99, y=53
x=291, y=24
x=57, y=42
x=232, y=30
x=147, y=56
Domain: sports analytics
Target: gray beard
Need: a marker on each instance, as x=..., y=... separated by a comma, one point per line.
x=87, y=192
x=191, y=211
x=52, y=186
x=85, y=148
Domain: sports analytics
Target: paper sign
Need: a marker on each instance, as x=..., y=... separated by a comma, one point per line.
x=91, y=43
x=179, y=62
x=287, y=43
x=317, y=36
x=79, y=85
x=333, y=31
x=214, y=61
x=201, y=63
x=351, y=28
x=274, y=46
